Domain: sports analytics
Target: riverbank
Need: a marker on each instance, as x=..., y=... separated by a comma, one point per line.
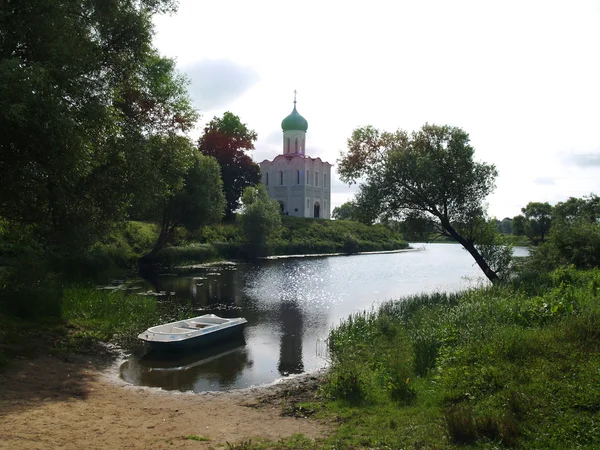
x=501, y=366
x=48, y=403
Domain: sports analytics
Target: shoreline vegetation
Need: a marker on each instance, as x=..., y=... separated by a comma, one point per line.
x=512, y=365
x=60, y=308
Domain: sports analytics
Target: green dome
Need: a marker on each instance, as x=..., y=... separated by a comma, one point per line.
x=294, y=122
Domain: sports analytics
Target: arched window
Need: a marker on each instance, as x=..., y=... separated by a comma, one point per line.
x=288, y=145
x=281, y=178
x=307, y=177
x=316, y=178
x=317, y=210
x=325, y=181
x=307, y=203
x=296, y=149
x=297, y=177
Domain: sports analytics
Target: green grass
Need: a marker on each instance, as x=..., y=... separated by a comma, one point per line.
x=119, y=316
x=194, y=437
x=507, y=366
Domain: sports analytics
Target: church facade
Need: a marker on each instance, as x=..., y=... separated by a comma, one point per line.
x=301, y=184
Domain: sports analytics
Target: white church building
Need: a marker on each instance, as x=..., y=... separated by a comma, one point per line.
x=301, y=184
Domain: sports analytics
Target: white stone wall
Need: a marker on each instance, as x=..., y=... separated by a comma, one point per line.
x=297, y=193
x=290, y=138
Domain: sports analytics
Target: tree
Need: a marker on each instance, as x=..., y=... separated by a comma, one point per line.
x=81, y=89
x=346, y=211
x=428, y=174
x=574, y=236
x=194, y=195
x=260, y=219
x=534, y=223
x=504, y=226
x=228, y=139
x=586, y=208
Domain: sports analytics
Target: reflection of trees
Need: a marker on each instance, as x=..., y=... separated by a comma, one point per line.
x=290, y=349
x=221, y=365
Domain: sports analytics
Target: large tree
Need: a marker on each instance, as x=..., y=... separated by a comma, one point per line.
x=228, y=140
x=192, y=194
x=431, y=174
x=534, y=223
x=346, y=211
x=260, y=219
x=81, y=90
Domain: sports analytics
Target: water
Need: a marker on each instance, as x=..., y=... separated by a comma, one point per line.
x=290, y=305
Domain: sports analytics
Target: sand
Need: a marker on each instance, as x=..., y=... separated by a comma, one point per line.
x=48, y=403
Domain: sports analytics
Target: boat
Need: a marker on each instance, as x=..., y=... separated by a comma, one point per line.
x=196, y=332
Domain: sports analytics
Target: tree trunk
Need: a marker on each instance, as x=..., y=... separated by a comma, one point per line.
x=483, y=265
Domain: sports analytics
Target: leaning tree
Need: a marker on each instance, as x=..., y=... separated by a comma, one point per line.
x=430, y=174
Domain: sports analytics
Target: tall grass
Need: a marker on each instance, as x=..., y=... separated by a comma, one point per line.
x=514, y=364
x=116, y=315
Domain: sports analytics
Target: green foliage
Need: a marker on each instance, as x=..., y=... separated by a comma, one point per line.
x=227, y=139
x=534, y=223
x=504, y=226
x=430, y=175
x=108, y=312
x=193, y=201
x=346, y=211
x=574, y=237
x=81, y=92
x=260, y=219
x=305, y=236
x=510, y=365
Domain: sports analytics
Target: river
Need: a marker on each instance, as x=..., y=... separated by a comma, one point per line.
x=290, y=305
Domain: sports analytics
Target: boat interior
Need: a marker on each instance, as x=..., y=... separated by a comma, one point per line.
x=186, y=326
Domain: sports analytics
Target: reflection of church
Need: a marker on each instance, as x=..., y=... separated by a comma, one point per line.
x=292, y=329
x=301, y=184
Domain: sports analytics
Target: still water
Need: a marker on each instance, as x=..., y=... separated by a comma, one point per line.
x=290, y=305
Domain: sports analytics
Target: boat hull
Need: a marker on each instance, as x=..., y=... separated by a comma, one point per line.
x=200, y=341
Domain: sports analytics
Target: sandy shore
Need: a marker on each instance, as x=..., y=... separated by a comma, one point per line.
x=47, y=403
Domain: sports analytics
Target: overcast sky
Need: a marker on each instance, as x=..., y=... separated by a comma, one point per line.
x=521, y=77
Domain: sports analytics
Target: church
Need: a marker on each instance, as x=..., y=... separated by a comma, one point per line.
x=301, y=184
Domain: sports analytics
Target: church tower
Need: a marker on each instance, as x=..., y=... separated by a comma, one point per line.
x=294, y=129
x=301, y=184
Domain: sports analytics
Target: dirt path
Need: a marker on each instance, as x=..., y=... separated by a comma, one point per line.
x=47, y=403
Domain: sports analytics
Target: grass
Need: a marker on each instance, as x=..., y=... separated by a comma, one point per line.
x=507, y=366
x=194, y=437
x=118, y=316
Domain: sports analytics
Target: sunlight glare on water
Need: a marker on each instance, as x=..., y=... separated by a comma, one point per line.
x=291, y=304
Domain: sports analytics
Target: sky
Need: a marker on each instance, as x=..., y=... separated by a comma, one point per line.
x=521, y=77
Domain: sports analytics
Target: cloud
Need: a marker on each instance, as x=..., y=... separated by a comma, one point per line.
x=545, y=181
x=585, y=160
x=216, y=83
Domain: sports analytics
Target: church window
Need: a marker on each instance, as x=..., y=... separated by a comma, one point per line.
x=325, y=182
x=307, y=177
x=281, y=178
x=316, y=178
x=307, y=203
x=288, y=145
x=298, y=177
x=296, y=149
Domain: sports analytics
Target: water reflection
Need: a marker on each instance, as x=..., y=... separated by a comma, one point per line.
x=290, y=347
x=215, y=369
x=290, y=305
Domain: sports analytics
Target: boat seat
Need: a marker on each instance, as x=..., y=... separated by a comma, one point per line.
x=194, y=325
x=180, y=329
